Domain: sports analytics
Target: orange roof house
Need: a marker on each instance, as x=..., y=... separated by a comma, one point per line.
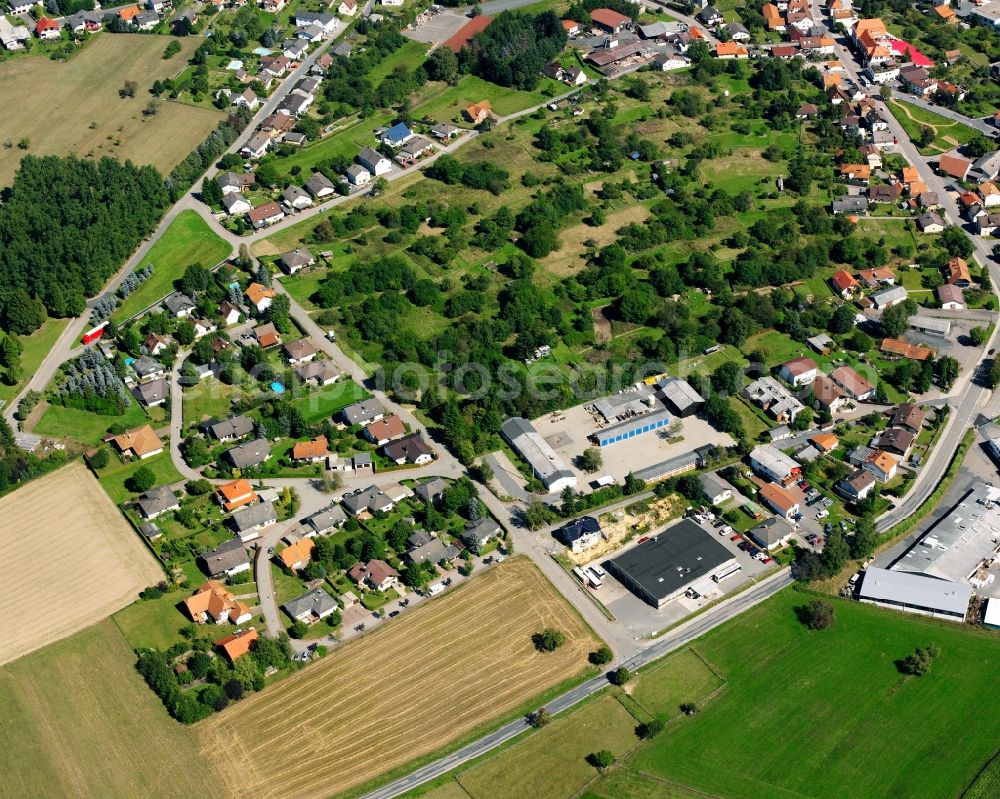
x=256, y=293
x=856, y=171
x=236, y=494
x=129, y=13
x=238, y=644
x=140, y=443
x=478, y=112
x=843, y=281
x=824, y=442
x=946, y=13
x=779, y=499
x=954, y=166
x=213, y=601
x=297, y=555
x=314, y=450
x=731, y=50
x=958, y=272
x=772, y=17
x=910, y=174
x=912, y=352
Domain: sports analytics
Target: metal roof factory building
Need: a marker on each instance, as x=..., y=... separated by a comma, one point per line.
x=546, y=465
x=681, y=557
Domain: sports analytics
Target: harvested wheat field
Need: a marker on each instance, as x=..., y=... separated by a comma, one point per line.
x=78, y=721
x=65, y=548
x=74, y=107
x=403, y=691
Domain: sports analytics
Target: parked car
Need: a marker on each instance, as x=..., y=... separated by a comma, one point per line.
x=393, y=614
x=822, y=514
x=736, y=537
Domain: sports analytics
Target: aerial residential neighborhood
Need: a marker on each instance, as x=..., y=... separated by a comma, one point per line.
x=539, y=399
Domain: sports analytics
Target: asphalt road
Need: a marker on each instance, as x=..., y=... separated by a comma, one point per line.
x=672, y=641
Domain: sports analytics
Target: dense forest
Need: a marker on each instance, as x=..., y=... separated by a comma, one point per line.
x=66, y=225
x=515, y=48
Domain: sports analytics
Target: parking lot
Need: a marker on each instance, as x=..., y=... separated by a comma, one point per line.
x=436, y=28
x=567, y=431
x=645, y=620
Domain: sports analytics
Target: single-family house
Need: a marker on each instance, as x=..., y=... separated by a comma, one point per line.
x=47, y=28
x=213, y=602
x=374, y=162
x=409, y=449
x=235, y=494
x=180, y=305
x=951, y=297
x=371, y=500
x=896, y=440
x=260, y=296
x=320, y=186
x=300, y=352
x=431, y=490
x=955, y=166
x=930, y=222
x=311, y=606
x=798, y=371
x=247, y=456
x=580, y=534
x=770, y=462
x=857, y=485
x=297, y=198
x=153, y=393
x=265, y=214
x=240, y=643
x=267, y=335
x=325, y=521
x=318, y=373
x=376, y=575
x=396, y=136
x=363, y=412
x=779, y=499
x=385, y=430
x=844, y=283
x=852, y=383
x=957, y=273
x=235, y=204
x=433, y=551
x=234, y=182
x=227, y=559
x=828, y=393
x=357, y=175
x=297, y=556
x=711, y=16
x=249, y=523
x=715, y=489
x=157, y=501
x=140, y=443
x=257, y=146
x=882, y=465
x=347, y=8
x=771, y=534
x=231, y=429
x=479, y=112
x=477, y=534
x=313, y=451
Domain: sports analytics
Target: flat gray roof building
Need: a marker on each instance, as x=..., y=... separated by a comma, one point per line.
x=546, y=465
x=930, y=324
x=915, y=593
x=664, y=567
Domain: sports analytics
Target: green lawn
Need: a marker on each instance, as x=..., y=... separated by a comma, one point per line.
x=947, y=133
x=451, y=101
x=683, y=677
x=302, y=287
x=34, y=348
x=114, y=476
x=210, y=397
x=552, y=763
x=326, y=401
x=354, y=136
x=83, y=426
x=188, y=240
x=154, y=622
x=827, y=714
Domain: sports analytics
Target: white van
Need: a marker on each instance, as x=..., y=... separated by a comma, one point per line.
x=435, y=589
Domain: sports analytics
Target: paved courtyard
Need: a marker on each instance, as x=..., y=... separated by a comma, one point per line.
x=567, y=431
x=437, y=28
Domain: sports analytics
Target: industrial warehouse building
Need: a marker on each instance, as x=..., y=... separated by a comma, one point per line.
x=545, y=464
x=628, y=415
x=680, y=397
x=681, y=557
x=915, y=593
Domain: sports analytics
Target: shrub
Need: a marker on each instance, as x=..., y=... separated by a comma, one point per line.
x=548, y=640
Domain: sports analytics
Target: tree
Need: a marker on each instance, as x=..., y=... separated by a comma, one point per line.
x=128, y=89
x=979, y=336
x=591, y=460
x=142, y=480
x=919, y=663
x=99, y=459
x=539, y=718
x=548, y=640
x=650, y=729
x=298, y=630
x=442, y=65
x=602, y=759
x=835, y=553
x=619, y=676
x=946, y=371
x=601, y=656
x=727, y=379
x=816, y=615
x=894, y=320
x=688, y=708
x=865, y=538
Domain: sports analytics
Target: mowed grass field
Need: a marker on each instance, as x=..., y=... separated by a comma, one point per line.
x=189, y=240
x=827, y=714
x=70, y=559
x=78, y=721
x=53, y=105
x=406, y=690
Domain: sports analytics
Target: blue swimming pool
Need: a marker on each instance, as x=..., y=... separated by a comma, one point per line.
x=277, y=388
